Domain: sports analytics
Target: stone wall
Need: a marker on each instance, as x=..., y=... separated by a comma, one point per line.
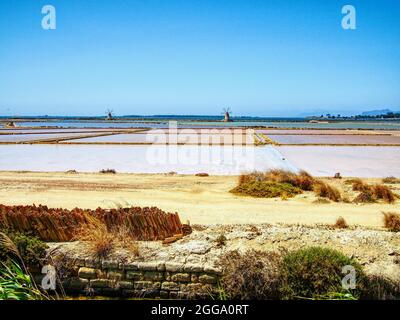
x=165, y=280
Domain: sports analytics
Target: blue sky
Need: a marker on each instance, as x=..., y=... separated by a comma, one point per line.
x=258, y=57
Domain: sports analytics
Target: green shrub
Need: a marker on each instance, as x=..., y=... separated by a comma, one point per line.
x=316, y=272
x=31, y=249
x=263, y=189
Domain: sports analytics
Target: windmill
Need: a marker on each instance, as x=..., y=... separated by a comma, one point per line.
x=227, y=114
x=110, y=114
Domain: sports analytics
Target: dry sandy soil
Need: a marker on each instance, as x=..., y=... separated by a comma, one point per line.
x=201, y=200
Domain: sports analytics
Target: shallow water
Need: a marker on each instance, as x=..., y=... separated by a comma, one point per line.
x=383, y=125
x=141, y=159
x=224, y=160
x=335, y=139
x=33, y=137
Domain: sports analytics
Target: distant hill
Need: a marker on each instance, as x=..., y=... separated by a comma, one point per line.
x=376, y=112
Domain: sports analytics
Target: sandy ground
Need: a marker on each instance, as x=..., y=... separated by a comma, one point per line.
x=201, y=200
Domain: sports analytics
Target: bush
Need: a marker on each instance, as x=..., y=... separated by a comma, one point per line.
x=341, y=223
x=31, y=249
x=262, y=189
x=316, y=272
x=364, y=197
x=380, y=288
x=358, y=185
x=102, y=241
x=108, y=171
x=380, y=191
x=254, y=275
x=370, y=194
x=391, y=180
x=324, y=190
x=391, y=221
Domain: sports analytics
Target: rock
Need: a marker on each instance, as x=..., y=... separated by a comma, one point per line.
x=191, y=267
x=110, y=264
x=147, y=266
x=153, y=275
x=174, y=266
x=194, y=246
x=125, y=285
x=88, y=273
x=180, y=277
x=116, y=274
x=134, y=275
x=212, y=269
x=75, y=283
x=170, y=286
x=100, y=283
x=208, y=279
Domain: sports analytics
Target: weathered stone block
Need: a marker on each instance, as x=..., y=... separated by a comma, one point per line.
x=110, y=264
x=191, y=267
x=88, y=273
x=147, y=266
x=212, y=269
x=180, y=277
x=140, y=285
x=125, y=284
x=160, y=266
x=209, y=279
x=101, y=283
x=116, y=274
x=153, y=275
x=170, y=286
x=194, y=278
x=130, y=265
x=174, y=266
x=92, y=263
x=134, y=275
x=75, y=283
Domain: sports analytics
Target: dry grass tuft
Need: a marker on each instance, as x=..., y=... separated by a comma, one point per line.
x=202, y=174
x=390, y=180
x=391, y=221
x=358, y=185
x=324, y=190
x=364, y=197
x=341, y=223
x=108, y=171
x=254, y=275
x=380, y=191
x=102, y=242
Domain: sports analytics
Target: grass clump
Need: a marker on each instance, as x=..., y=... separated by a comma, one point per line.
x=284, y=184
x=221, y=240
x=324, y=190
x=263, y=189
x=316, y=272
x=108, y=171
x=102, y=242
x=390, y=180
x=341, y=223
x=254, y=275
x=391, y=221
x=372, y=193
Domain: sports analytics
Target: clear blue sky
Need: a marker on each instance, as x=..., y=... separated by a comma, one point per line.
x=258, y=57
